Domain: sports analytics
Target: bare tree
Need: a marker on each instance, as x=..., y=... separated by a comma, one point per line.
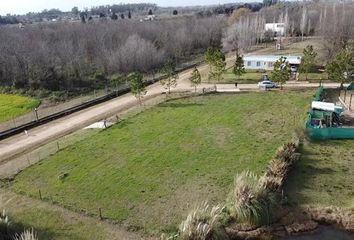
x=303, y=22
x=66, y=56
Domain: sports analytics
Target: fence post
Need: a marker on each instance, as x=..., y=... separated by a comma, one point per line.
x=100, y=213
x=40, y=194
x=36, y=113
x=58, y=146
x=350, y=103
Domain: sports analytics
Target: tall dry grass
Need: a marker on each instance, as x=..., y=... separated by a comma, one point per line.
x=250, y=201
x=27, y=235
x=279, y=166
x=201, y=223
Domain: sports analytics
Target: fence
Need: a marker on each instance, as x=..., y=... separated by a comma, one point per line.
x=44, y=115
x=48, y=109
x=347, y=96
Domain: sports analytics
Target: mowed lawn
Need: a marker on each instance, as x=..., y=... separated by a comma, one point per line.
x=150, y=170
x=324, y=176
x=12, y=106
x=250, y=76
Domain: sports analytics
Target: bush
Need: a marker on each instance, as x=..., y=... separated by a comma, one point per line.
x=201, y=223
x=251, y=202
x=279, y=166
x=27, y=235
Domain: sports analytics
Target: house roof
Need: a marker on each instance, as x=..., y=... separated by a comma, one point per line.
x=273, y=58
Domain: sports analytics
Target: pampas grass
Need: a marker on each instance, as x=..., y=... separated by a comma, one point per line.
x=27, y=235
x=251, y=202
x=201, y=223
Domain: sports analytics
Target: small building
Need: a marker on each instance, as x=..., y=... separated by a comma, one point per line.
x=278, y=28
x=266, y=62
x=150, y=18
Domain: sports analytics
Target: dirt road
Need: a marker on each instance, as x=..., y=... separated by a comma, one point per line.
x=36, y=137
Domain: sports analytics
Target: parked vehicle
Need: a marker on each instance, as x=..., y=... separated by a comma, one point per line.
x=293, y=69
x=267, y=84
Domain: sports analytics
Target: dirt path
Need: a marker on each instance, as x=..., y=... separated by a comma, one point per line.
x=22, y=143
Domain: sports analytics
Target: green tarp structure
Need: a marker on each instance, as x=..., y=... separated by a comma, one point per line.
x=351, y=87
x=318, y=94
x=315, y=132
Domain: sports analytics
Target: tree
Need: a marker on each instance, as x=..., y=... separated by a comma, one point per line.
x=238, y=14
x=175, y=12
x=122, y=16
x=281, y=71
x=303, y=22
x=239, y=67
x=170, y=79
x=129, y=15
x=75, y=10
x=116, y=80
x=137, y=85
x=150, y=12
x=216, y=60
x=114, y=16
x=83, y=16
x=308, y=60
x=341, y=66
x=101, y=78
x=269, y=2
x=195, y=78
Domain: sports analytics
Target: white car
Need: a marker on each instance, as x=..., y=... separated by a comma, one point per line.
x=267, y=84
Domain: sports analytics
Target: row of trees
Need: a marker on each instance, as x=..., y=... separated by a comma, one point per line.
x=213, y=56
x=332, y=21
x=67, y=56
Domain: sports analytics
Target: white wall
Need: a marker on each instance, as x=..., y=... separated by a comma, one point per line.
x=279, y=28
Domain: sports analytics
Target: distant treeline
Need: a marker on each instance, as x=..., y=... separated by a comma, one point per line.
x=122, y=8
x=135, y=9
x=69, y=56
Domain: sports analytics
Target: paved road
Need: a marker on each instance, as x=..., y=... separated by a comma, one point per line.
x=41, y=135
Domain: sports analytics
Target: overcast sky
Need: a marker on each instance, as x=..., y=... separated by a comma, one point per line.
x=24, y=6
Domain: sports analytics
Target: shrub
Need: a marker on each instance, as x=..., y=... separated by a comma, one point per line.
x=279, y=166
x=26, y=235
x=251, y=202
x=201, y=223
x=4, y=222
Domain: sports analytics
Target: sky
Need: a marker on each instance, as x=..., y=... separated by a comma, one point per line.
x=25, y=6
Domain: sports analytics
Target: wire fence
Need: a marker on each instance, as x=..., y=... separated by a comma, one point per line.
x=48, y=109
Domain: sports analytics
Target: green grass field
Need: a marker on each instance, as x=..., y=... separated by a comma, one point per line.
x=315, y=77
x=251, y=76
x=12, y=106
x=150, y=170
x=55, y=223
x=324, y=176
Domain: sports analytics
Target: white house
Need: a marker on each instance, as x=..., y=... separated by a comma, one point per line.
x=278, y=28
x=265, y=62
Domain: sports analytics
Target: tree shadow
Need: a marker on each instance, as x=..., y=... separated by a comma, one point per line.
x=301, y=176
